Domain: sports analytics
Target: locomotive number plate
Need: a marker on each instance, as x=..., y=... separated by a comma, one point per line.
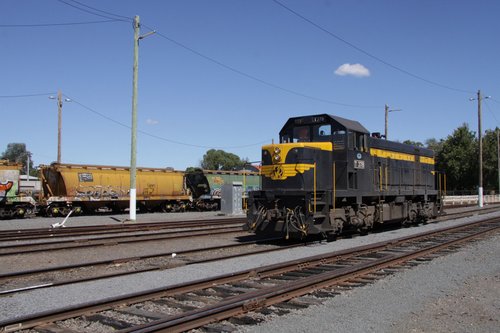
x=359, y=164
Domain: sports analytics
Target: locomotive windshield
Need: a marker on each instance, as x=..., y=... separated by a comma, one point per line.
x=315, y=133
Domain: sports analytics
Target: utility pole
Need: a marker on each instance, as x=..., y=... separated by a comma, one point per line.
x=59, y=121
x=59, y=124
x=387, y=119
x=133, y=153
x=28, y=167
x=480, y=138
x=480, y=193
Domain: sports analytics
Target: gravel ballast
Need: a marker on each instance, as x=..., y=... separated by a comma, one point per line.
x=455, y=293
x=44, y=299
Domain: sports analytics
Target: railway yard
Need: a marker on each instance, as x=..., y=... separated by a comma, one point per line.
x=199, y=271
x=255, y=187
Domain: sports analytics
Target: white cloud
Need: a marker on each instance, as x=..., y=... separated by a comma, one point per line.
x=357, y=70
x=152, y=121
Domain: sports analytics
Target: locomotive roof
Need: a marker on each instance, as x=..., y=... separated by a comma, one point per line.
x=351, y=125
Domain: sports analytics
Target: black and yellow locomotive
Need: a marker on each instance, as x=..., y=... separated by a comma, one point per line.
x=328, y=175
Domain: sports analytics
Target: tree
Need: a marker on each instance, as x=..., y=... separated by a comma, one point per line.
x=458, y=159
x=221, y=160
x=413, y=143
x=17, y=153
x=434, y=145
x=490, y=161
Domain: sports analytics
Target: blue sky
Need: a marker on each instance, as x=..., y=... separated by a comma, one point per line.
x=233, y=72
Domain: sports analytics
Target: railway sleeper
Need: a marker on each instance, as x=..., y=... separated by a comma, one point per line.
x=53, y=328
x=245, y=320
x=132, y=310
x=172, y=304
x=229, y=290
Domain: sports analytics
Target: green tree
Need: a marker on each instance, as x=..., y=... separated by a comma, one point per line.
x=16, y=152
x=221, y=160
x=413, y=143
x=434, y=144
x=490, y=161
x=458, y=159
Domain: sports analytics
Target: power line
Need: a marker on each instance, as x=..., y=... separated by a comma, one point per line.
x=230, y=68
x=56, y=24
x=162, y=138
x=491, y=111
x=254, y=78
x=368, y=53
x=88, y=11
x=494, y=100
x=102, y=11
x=26, y=95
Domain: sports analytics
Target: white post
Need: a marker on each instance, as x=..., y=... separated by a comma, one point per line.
x=133, y=203
x=480, y=197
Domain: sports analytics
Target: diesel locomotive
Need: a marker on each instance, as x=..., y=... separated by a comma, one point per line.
x=327, y=175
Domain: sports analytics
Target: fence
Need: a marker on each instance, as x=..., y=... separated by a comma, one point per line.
x=469, y=199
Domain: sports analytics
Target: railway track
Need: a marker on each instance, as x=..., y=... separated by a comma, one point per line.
x=23, y=247
x=30, y=241
x=24, y=280
x=244, y=296
x=53, y=233
x=37, y=278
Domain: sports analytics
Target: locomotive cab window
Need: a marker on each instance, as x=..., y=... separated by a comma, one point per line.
x=302, y=134
x=323, y=133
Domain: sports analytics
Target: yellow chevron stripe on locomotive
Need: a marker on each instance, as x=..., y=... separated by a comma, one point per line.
x=283, y=171
x=278, y=170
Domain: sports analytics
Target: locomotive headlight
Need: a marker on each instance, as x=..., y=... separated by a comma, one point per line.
x=277, y=158
x=277, y=150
